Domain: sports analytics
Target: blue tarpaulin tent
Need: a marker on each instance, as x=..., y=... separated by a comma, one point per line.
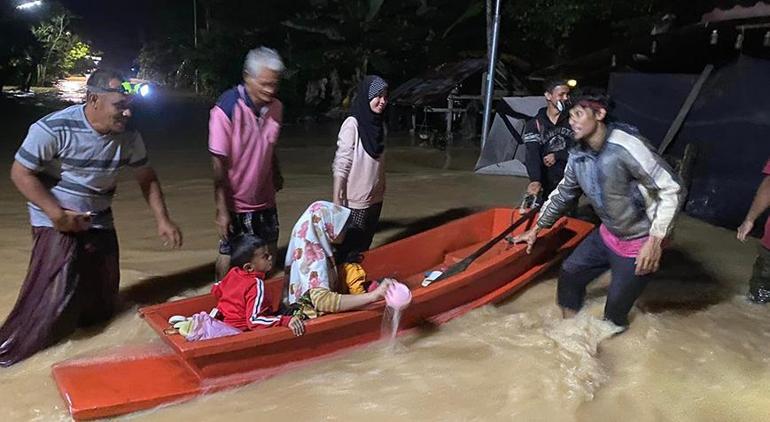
x=729, y=124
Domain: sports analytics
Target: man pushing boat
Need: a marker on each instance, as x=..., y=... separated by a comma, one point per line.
x=635, y=194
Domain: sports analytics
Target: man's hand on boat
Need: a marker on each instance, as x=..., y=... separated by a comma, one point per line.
x=534, y=188
x=297, y=326
x=529, y=237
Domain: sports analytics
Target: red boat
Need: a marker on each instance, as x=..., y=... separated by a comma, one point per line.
x=142, y=379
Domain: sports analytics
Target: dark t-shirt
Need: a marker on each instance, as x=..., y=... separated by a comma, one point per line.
x=542, y=137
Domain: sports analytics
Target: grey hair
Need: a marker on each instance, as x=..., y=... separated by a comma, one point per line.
x=101, y=78
x=260, y=58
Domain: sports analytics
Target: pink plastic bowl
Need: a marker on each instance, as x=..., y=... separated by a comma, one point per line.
x=398, y=296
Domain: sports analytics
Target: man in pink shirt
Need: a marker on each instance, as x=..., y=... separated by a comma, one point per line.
x=759, y=285
x=243, y=130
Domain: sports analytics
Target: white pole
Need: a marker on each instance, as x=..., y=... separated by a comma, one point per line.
x=195, y=39
x=491, y=75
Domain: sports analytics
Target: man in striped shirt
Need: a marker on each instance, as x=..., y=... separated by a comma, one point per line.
x=67, y=168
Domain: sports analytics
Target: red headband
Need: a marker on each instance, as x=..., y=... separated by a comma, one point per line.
x=592, y=104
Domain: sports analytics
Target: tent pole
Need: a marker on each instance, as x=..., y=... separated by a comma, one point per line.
x=490, y=87
x=686, y=106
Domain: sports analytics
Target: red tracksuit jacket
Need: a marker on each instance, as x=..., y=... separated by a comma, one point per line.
x=244, y=303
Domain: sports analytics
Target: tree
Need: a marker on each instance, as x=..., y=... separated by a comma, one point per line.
x=544, y=31
x=15, y=43
x=78, y=59
x=51, y=36
x=60, y=50
x=395, y=39
x=328, y=45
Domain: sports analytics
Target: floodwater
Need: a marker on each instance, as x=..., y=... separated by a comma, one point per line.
x=696, y=351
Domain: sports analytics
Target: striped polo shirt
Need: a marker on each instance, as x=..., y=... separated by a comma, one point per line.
x=77, y=164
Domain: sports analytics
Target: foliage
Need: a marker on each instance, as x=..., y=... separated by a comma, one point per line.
x=328, y=45
x=14, y=59
x=162, y=62
x=59, y=50
x=396, y=39
x=77, y=59
x=543, y=31
x=15, y=39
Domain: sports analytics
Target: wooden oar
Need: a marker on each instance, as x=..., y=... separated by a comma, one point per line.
x=463, y=265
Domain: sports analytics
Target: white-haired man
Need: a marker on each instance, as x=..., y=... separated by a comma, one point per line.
x=243, y=130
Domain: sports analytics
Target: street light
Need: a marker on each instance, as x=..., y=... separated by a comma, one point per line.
x=29, y=5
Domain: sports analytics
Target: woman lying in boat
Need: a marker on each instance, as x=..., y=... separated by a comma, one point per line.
x=245, y=304
x=310, y=265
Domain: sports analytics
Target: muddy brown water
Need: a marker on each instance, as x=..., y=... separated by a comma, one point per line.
x=696, y=351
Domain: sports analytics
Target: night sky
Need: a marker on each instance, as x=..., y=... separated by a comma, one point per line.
x=118, y=29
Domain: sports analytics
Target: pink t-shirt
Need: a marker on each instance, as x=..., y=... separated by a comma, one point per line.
x=766, y=236
x=624, y=248
x=246, y=137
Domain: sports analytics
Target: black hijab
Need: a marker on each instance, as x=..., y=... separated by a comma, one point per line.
x=369, y=123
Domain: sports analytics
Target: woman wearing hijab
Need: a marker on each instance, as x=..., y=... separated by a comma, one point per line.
x=359, y=166
x=312, y=275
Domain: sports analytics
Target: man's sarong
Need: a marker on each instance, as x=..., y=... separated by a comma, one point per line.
x=72, y=281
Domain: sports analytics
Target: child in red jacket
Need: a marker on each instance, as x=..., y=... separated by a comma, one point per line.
x=241, y=296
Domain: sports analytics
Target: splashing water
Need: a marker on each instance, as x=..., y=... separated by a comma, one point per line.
x=577, y=341
x=563, y=352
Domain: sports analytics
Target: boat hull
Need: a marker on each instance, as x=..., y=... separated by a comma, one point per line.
x=95, y=389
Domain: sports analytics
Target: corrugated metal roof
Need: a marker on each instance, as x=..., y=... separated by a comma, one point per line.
x=759, y=10
x=435, y=85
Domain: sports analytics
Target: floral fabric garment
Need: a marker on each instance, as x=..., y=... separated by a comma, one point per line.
x=310, y=251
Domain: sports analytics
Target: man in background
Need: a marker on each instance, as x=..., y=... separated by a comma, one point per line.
x=548, y=137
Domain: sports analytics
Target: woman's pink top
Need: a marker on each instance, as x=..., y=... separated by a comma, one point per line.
x=365, y=175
